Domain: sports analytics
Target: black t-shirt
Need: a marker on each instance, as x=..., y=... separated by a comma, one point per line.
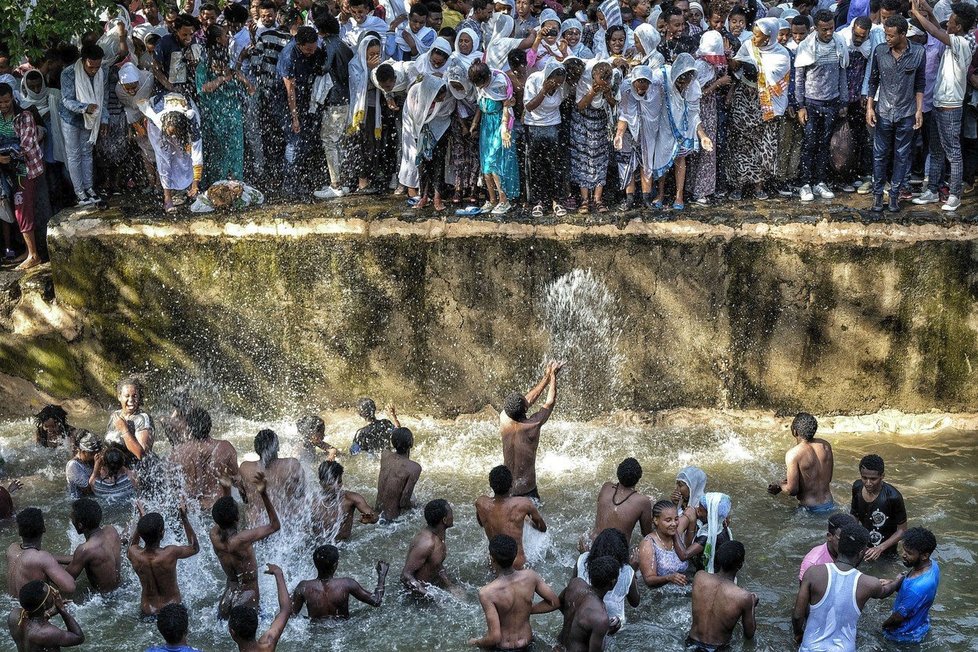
x=373, y=437
x=882, y=516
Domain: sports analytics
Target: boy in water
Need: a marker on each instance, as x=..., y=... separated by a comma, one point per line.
x=718, y=603
x=235, y=550
x=809, y=466
x=101, y=554
x=243, y=622
x=397, y=477
x=338, y=505
x=26, y=561
x=30, y=626
x=621, y=505
x=328, y=596
x=879, y=507
x=157, y=567
x=376, y=435
x=910, y=620
x=426, y=556
x=585, y=616
x=505, y=514
x=521, y=434
x=173, y=623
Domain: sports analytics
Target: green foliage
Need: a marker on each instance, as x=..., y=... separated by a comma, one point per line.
x=28, y=27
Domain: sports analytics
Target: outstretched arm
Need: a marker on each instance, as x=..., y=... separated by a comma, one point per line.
x=534, y=394
x=56, y=574
x=277, y=627
x=259, y=533
x=925, y=15
x=193, y=546
x=367, y=513
x=377, y=597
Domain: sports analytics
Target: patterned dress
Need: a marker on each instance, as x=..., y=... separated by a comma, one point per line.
x=590, y=147
x=753, y=143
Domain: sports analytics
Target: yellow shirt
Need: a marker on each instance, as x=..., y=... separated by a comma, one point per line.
x=450, y=17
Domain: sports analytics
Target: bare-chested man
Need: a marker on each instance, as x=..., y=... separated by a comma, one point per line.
x=521, y=434
x=337, y=507
x=585, y=616
x=718, y=603
x=398, y=475
x=235, y=550
x=809, y=468
x=100, y=557
x=507, y=601
x=505, y=514
x=156, y=567
x=328, y=596
x=312, y=433
x=284, y=478
x=204, y=460
x=26, y=561
x=426, y=556
x=243, y=622
x=30, y=625
x=621, y=506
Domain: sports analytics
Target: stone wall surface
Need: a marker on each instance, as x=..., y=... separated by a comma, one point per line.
x=283, y=313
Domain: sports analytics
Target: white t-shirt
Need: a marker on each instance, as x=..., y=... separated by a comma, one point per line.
x=547, y=112
x=952, y=73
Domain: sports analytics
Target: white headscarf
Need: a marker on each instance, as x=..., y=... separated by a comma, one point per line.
x=580, y=50
x=500, y=43
x=637, y=110
x=424, y=67
x=703, y=24
x=39, y=100
x=805, y=55
x=404, y=76
x=361, y=87
x=717, y=508
x=611, y=10
x=420, y=109
x=587, y=80
x=694, y=478
x=866, y=49
x=680, y=116
x=466, y=98
x=648, y=37
x=476, y=55
x=499, y=88
x=772, y=59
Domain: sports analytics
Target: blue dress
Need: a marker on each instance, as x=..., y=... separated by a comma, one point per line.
x=497, y=159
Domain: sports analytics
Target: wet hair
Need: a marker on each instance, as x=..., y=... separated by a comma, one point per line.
x=268, y=4
x=326, y=558
x=215, y=32
x=419, y=10
x=327, y=24
x=47, y=412
x=132, y=381
x=515, y=405
x=479, y=5
x=306, y=35
x=738, y=11
x=87, y=512
x=235, y=13
x=173, y=621
x=667, y=13
x=30, y=523
x=610, y=542
x=824, y=16
x=966, y=14
x=114, y=460
x=503, y=550
x=899, y=22
x=150, y=527
x=803, y=3
x=804, y=424
x=874, y=6
x=919, y=540
x=863, y=22
x=629, y=472
x=479, y=75
x=32, y=595
x=208, y=6
x=92, y=52
x=402, y=440
x=603, y=572
x=839, y=521
x=662, y=506
x=179, y=123
x=435, y=511
x=330, y=471
x=309, y=425
x=516, y=58
x=266, y=445
x=288, y=16
x=872, y=462
x=181, y=400
x=385, y=73
x=366, y=408
x=501, y=480
x=243, y=620
x=853, y=539
x=730, y=556
x=199, y=423
x=225, y=512
x=803, y=21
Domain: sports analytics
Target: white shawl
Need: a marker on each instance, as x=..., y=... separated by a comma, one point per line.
x=772, y=59
x=361, y=88
x=46, y=102
x=806, y=50
x=642, y=113
x=89, y=90
x=423, y=67
x=717, y=507
x=680, y=116
x=475, y=55
x=420, y=109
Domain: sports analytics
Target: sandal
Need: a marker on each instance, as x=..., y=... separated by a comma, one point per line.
x=559, y=210
x=678, y=207
x=584, y=208
x=537, y=210
x=600, y=207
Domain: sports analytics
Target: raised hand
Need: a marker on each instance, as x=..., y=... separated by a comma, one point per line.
x=382, y=568
x=273, y=569
x=15, y=486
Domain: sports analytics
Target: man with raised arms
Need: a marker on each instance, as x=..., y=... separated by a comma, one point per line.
x=283, y=477
x=156, y=567
x=507, y=601
x=621, y=505
x=809, y=467
x=27, y=561
x=719, y=604
x=101, y=554
x=338, y=505
x=426, y=556
x=505, y=514
x=243, y=621
x=203, y=459
x=30, y=625
x=585, y=616
x=328, y=596
x=521, y=434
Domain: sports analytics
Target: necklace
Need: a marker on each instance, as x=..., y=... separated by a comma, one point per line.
x=615, y=495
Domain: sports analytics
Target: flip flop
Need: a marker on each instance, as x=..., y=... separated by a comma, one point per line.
x=469, y=211
x=678, y=207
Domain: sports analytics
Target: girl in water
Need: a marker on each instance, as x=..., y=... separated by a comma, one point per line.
x=657, y=558
x=690, y=485
x=612, y=543
x=130, y=429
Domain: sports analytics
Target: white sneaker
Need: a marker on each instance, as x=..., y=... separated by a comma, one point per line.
x=487, y=207
x=502, y=208
x=865, y=188
x=345, y=190
x=806, y=193
x=85, y=201
x=952, y=204
x=927, y=197
x=823, y=191
x=327, y=192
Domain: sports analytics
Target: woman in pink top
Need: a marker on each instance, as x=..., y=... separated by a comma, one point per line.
x=828, y=552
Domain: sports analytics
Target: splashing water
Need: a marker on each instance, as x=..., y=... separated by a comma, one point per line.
x=583, y=320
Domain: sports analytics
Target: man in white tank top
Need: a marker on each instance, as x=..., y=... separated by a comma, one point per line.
x=832, y=596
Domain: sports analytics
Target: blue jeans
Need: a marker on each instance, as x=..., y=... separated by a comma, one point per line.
x=816, y=146
x=891, y=144
x=297, y=148
x=78, y=151
x=945, y=142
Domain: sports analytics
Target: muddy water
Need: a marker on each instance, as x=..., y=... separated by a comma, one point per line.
x=934, y=471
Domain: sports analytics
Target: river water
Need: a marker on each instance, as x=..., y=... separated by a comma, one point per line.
x=935, y=472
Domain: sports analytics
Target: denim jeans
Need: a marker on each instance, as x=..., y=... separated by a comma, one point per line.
x=331, y=132
x=945, y=142
x=891, y=144
x=297, y=148
x=818, y=141
x=78, y=151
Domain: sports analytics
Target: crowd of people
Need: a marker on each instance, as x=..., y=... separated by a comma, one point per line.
x=480, y=104
x=685, y=538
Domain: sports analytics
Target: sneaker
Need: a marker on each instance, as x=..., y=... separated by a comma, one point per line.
x=952, y=204
x=905, y=195
x=487, y=207
x=865, y=188
x=85, y=201
x=823, y=191
x=702, y=201
x=502, y=208
x=328, y=192
x=805, y=193
x=877, y=204
x=761, y=194
x=787, y=191
x=849, y=187
x=926, y=197
x=735, y=195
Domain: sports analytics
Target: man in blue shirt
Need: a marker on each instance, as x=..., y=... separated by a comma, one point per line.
x=910, y=620
x=173, y=622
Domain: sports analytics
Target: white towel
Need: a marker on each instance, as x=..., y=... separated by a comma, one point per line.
x=90, y=90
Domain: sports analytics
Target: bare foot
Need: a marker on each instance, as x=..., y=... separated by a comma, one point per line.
x=30, y=261
x=421, y=203
x=439, y=205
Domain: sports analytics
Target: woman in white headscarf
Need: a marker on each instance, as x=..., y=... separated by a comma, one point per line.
x=547, y=46
x=690, y=485
x=638, y=124
x=680, y=132
x=713, y=514
x=609, y=15
x=543, y=95
x=464, y=168
x=373, y=144
x=697, y=19
x=711, y=72
x=134, y=86
x=467, y=47
x=571, y=43
x=647, y=40
x=596, y=96
x=496, y=143
x=501, y=43
x=434, y=62
x=174, y=131
x=762, y=67
x=427, y=116
x=35, y=93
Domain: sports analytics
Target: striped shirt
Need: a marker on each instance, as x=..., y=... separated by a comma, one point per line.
x=265, y=59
